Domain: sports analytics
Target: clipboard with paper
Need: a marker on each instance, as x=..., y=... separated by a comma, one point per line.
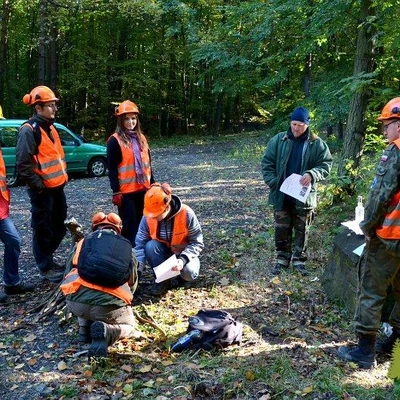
x=164, y=272
x=292, y=187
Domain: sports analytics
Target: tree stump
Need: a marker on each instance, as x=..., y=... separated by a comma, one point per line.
x=340, y=277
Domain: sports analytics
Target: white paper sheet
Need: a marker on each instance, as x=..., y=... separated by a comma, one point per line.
x=359, y=250
x=163, y=271
x=353, y=226
x=292, y=186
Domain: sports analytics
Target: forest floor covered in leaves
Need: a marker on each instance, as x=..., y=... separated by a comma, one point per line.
x=291, y=329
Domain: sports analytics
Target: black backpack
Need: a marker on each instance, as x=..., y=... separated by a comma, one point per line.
x=218, y=330
x=105, y=259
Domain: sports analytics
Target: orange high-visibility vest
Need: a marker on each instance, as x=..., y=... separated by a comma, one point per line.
x=73, y=282
x=390, y=228
x=126, y=169
x=50, y=163
x=180, y=231
x=5, y=192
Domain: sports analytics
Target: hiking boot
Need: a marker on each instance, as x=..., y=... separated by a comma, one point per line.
x=363, y=354
x=277, y=268
x=99, y=346
x=386, y=346
x=21, y=288
x=53, y=275
x=84, y=334
x=158, y=289
x=3, y=297
x=103, y=335
x=302, y=269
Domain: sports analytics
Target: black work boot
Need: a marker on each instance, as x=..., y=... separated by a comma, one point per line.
x=103, y=335
x=386, y=346
x=363, y=354
x=278, y=267
x=84, y=333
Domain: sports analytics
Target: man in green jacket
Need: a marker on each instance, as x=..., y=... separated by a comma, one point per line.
x=299, y=151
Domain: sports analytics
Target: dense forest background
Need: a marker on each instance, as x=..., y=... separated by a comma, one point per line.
x=205, y=66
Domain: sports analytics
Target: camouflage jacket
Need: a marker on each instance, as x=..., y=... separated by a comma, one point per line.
x=316, y=160
x=384, y=186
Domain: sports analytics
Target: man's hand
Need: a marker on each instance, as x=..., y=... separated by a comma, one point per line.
x=178, y=266
x=306, y=179
x=117, y=199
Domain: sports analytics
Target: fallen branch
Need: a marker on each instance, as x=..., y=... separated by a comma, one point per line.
x=149, y=320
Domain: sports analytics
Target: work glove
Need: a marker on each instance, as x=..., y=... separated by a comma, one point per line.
x=117, y=199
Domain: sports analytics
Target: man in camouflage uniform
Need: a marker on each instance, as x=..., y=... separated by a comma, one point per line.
x=380, y=262
x=300, y=151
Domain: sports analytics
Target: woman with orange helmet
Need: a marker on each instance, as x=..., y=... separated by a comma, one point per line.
x=168, y=227
x=129, y=167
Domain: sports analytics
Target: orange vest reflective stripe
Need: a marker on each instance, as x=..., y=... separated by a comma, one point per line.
x=5, y=192
x=390, y=228
x=126, y=169
x=180, y=232
x=73, y=282
x=122, y=292
x=50, y=163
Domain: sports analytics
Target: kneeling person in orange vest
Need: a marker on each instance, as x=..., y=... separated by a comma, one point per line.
x=100, y=284
x=168, y=227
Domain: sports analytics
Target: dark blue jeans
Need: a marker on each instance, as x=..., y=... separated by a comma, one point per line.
x=12, y=243
x=49, y=210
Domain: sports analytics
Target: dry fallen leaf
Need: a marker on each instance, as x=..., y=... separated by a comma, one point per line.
x=62, y=366
x=250, y=375
x=32, y=361
x=308, y=389
x=126, y=368
x=275, y=280
x=224, y=281
x=146, y=368
x=29, y=338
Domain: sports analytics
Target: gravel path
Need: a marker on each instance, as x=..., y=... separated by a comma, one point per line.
x=228, y=196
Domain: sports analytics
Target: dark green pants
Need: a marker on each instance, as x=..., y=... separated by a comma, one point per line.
x=291, y=234
x=377, y=270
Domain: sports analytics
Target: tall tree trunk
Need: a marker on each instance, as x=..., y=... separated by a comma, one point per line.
x=363, y=63
x=307, y=75
x=6, y=12
x=42, y=42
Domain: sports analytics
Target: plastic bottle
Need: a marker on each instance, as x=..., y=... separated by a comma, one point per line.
x=185, y=341
x=359, y=210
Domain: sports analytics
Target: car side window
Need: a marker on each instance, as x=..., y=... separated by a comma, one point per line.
x=66, y=138
x=8, y=136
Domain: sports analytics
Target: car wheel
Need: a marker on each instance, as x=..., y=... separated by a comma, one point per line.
x=97, y=167
x=12, y=181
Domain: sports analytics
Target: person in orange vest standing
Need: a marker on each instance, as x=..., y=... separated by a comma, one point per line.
x=100, y=284
x=379, y=265
x=168, y=227
x=41, y=165
x=13, y=284
x=129, y=167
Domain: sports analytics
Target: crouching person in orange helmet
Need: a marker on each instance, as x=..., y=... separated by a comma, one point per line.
x=168, y=227
x=100, y=284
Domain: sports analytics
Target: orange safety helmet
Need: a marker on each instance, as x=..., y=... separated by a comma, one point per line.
x=40, y=94
x=391, y=110
x=126, y=107
x=157, y=199
x=101, y=220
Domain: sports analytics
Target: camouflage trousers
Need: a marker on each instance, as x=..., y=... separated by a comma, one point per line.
x=291, y=235
x=377, y=270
